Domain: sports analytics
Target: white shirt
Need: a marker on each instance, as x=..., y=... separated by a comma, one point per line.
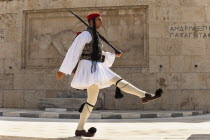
x=83, y=77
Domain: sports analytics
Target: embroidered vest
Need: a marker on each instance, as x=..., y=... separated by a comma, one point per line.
x=88, y=50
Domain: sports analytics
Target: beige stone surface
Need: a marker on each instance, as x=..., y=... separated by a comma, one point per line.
x=35, y=81
x=193, y=47
x=152, y=47
x=158, y=30
x=6, y=81
x=188, y=2
x=174, y=99
x=31, y=98
x=207, y=47
x=194, y=80
x=1, y=65
x=38, y=33
x=182, y=64
x=3, y=7
x=7, y=50
x=20, y=98
x=129, y=101
x=46, y=46
x=1, y=99
x=167, y=14
x=16, y=6
x=196, y=99
x=155, y=63
x=169, y=47
x=208, y=80
x=202, y=62
x=9, y=65
x=144, y=81
x=193, y=14
x=169, y=80
x=13, y=98
x=100, y=3
x=207, y=9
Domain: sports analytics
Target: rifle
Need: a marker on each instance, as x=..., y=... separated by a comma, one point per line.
x=102, y=38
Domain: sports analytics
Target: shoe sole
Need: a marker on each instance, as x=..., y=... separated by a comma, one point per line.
x=86, y=135
x=144, y=102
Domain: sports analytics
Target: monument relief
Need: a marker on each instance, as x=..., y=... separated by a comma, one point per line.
x=49, y=34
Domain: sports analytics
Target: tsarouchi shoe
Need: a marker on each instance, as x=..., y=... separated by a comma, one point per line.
x=91, y=132
x=149, y=97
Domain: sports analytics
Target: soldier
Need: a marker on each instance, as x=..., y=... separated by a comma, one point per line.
x=90, y=66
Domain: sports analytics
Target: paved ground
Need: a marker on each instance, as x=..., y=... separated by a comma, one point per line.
x=178, y=128
x=98, y=114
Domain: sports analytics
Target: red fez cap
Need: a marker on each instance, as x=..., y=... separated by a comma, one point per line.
x=92, y=15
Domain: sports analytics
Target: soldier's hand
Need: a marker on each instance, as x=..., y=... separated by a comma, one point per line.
x=118, y=55
x=59, y=75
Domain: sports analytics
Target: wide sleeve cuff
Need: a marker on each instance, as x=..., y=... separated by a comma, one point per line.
x=109, y=58
x=73, y=54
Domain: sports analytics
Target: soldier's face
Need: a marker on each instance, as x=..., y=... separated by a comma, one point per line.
x=98, y=21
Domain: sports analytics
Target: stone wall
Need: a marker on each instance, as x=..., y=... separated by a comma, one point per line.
x=168, y=39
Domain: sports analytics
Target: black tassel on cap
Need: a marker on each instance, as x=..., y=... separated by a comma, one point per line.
x=118, y=93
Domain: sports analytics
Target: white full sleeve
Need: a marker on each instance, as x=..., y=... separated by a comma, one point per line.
x=109, y=58
x=74, y=52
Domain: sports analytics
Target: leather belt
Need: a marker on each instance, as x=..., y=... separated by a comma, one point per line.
x=88, y=57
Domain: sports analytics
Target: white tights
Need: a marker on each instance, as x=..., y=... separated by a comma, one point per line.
x=92, y=95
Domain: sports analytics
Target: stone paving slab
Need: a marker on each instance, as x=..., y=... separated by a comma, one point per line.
x=99, y=114
x=177, y=128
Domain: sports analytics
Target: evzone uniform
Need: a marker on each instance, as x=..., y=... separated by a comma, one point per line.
x=95, y=77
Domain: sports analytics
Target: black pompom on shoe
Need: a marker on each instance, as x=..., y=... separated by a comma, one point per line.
x=159, y=92
x=92, y=130
x=150, y=97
